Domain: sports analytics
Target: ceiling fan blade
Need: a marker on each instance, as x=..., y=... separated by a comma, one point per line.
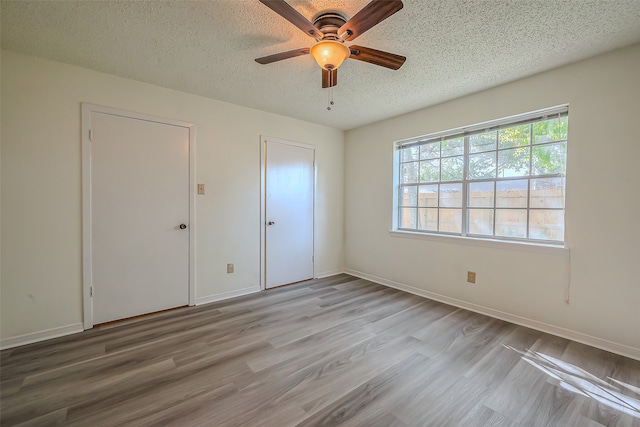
x=283, y=9
x=377, y=57
x=329, y=78
x=370, y=15
x=282, y=55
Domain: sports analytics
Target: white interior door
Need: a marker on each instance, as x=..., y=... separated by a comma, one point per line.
x=139, y=199
x=289, y=199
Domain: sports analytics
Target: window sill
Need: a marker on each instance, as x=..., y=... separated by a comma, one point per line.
x=486, y=243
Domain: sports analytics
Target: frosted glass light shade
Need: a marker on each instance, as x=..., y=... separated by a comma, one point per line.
x=329, y=54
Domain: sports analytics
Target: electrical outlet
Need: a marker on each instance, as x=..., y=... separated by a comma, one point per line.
x=229, y=268
x=200, y=188
x=471, y=276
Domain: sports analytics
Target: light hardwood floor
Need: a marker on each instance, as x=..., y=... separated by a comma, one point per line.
x=332, y=351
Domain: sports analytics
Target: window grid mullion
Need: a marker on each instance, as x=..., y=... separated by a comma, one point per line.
x=439, y=183
x=438, y=210
x=400, y=189
x=465, y=173
x=495, y=204
x=401, y=192
x=528, y=204
x=516, y=178
x=529, y=178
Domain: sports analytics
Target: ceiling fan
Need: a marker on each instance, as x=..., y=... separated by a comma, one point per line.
x=331, y=30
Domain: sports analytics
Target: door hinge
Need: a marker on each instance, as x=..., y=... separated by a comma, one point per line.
x=91, y=291
x=90, y=135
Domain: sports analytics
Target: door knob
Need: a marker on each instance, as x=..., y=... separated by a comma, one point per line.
x=270, y=223
x=183, y=226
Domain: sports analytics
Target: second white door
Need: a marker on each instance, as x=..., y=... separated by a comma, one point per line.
x=289, y=191
x=139, y=216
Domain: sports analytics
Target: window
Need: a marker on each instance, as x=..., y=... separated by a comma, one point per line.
x=501, y=180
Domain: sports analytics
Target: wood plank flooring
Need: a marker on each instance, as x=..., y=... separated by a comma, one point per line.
x=334, y=351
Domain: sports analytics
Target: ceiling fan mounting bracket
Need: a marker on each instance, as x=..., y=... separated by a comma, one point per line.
x=329, y=22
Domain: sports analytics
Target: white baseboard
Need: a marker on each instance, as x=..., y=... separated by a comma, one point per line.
x=621, y=349
x=226, y=295
x=40, y=336
x=328, y=274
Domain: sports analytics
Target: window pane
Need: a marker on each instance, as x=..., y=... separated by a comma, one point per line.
x=481, y=221
x=453, y=147
x=428, y=219
x=430, y=151
x=450, y=220
x=480, y=195
x=514, y=137
x=409, y=196
x=428, y=196
x=410, y=153
x=407, y=218
x=549, y=158
x=513, y=162
x=547, y=193
x=409, y=173
x=430, y=170
x=511, y=222
x=485, y=141
x=482, y=165
x=550, y=130
x=451, y=195
x=546, y=224
x=512, y=193
x=452, y=168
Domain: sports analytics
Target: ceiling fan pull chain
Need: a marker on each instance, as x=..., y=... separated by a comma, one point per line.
x=330, y=99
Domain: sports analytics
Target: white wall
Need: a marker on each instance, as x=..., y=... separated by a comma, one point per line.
x=602, y=208
x=41, y=196
x=41, y=186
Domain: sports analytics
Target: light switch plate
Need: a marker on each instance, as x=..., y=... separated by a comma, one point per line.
x=200, y=188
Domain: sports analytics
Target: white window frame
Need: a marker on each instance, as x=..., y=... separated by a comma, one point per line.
x=511, y=121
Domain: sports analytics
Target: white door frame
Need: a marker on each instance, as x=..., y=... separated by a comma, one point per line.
x=263, y=199
x=87, y=267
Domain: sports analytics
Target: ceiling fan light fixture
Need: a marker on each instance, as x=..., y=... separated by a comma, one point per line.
x=329, y=54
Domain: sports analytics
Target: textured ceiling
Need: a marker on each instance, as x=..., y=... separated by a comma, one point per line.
x=453, y=48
